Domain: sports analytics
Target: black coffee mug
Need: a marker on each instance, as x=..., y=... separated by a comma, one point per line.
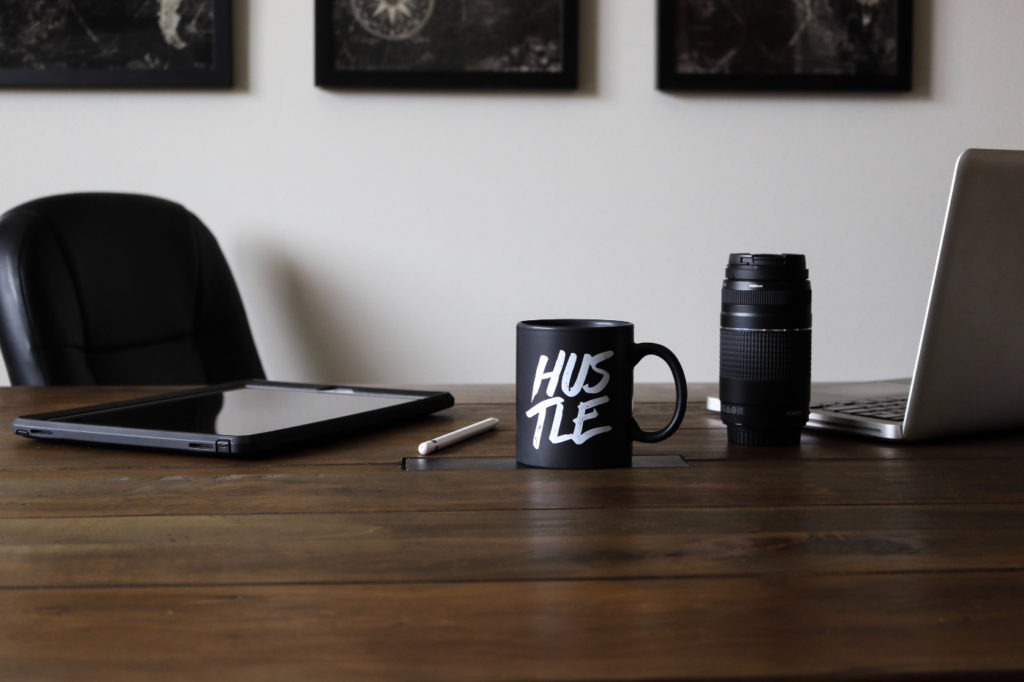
x=574, y=393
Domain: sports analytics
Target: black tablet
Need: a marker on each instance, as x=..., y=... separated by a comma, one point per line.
x=238, y=419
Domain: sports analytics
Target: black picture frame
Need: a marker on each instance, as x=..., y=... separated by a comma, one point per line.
x=121, y=45
x=698, y=50
x=525, y=45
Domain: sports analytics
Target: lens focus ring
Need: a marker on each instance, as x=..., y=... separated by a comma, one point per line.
x=766, y=297
x=765, y=355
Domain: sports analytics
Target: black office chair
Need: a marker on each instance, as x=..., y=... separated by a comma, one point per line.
x=118, y=289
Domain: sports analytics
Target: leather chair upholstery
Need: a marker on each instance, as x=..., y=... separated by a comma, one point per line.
x=118, y=289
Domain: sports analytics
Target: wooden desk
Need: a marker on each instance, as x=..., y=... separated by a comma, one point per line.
x=841, y=558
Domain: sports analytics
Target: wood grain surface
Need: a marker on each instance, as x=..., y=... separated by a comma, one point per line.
x=839, y=559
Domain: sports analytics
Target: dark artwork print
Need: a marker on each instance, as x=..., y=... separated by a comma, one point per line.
x=500, y=36
x=137, y=35
x=787, y=37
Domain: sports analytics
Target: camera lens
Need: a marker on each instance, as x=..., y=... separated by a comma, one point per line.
x=765, y=348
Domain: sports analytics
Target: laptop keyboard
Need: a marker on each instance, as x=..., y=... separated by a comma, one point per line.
x=890, y=409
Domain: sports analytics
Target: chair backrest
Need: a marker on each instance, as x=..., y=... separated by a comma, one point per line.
x=118, y=289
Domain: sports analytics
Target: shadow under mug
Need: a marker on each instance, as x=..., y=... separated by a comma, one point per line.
x=574, y=393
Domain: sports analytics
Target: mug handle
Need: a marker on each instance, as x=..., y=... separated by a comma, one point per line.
x=642, y=350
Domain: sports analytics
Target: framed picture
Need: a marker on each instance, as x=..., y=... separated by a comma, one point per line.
x=784, y=44
x=98, y=43
x=443, y=44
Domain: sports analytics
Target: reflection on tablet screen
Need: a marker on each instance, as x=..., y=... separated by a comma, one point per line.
x=241, y=411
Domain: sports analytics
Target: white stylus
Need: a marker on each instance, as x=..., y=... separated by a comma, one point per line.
x=447, y=439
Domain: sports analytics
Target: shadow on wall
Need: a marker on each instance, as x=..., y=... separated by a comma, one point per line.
x=310, y=321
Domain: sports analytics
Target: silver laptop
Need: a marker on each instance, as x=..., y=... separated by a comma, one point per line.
x=969, y=375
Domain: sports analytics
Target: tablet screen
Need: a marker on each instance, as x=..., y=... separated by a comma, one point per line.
x=242, y=411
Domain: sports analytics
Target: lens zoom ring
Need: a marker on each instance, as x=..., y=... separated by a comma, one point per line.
x=766, y=297
x=765, y=355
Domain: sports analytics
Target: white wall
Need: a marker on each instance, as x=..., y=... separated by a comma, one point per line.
x=398, y=237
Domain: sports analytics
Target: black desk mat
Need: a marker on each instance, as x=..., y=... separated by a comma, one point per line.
x=463, y=463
